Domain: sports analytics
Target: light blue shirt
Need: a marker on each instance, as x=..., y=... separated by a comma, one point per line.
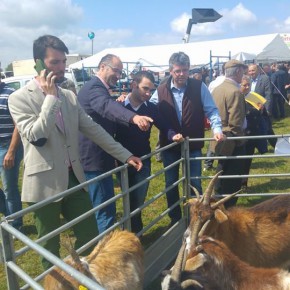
x=253, y=84
x=209, y=107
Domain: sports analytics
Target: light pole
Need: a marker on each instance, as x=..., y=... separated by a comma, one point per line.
x=91, y=36
x=200, y=15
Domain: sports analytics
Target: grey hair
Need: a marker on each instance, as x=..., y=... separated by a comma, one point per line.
x=247, y=78
x=179, y=58
x=107, y=59
x=232, y=72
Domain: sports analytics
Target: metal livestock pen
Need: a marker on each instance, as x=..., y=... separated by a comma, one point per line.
x=158, y=255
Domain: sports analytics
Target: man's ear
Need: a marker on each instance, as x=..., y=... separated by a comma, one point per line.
x=102, y=65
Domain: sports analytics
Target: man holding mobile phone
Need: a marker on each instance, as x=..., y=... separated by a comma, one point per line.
x=49, y=119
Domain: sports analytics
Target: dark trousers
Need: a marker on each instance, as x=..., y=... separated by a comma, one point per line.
x=231, y=167
x=250, y=147
x=138, y=195
x=278, y=110
x=48, y=219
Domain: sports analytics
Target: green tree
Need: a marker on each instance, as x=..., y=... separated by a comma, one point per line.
x=9, y=67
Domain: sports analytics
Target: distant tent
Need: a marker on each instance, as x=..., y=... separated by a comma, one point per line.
x=267, y=48
x=244, y=56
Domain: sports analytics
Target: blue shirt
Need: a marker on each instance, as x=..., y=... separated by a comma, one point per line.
x=6, y=121
x=209, y=107
x=254, y=83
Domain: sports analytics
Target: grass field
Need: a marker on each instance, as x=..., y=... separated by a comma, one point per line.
x=30, y=261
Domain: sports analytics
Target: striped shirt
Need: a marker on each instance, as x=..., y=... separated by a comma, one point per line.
x=6, y=121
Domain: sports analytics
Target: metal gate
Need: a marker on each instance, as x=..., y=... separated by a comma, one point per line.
x=157, y=256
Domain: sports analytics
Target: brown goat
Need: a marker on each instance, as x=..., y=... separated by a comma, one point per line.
x=115, y=263
x=222, y=268
x=259, y=235
x=179, y=279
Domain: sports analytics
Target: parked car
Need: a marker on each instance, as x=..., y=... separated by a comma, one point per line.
x=6, y=74
x=18, y=82
x=79, y=77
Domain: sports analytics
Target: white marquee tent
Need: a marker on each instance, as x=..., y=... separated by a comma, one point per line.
x=265, y=48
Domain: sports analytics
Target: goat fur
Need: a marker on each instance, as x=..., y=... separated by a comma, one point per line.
x=116, y=263
x=225, y=270
x=259, y=235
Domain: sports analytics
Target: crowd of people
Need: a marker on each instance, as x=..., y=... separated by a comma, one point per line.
x=67, y=139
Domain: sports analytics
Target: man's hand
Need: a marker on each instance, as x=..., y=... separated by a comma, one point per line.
x=177, y=138
x=121, y=98
x=47, y=83
x=8, y=161
x=135, y=162
x=219, y=137
x=143, y=122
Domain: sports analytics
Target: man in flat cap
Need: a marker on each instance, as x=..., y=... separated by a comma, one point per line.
x=231, y=105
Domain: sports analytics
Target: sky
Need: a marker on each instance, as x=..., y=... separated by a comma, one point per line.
x=130, y=23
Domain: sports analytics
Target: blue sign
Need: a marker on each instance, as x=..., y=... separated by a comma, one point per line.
x=91, y=35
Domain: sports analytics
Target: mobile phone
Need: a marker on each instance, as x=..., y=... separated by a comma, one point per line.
x=39, y=66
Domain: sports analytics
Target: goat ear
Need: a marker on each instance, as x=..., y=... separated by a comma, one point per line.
x=190, y=201
x=220, y=216
x=195, y=262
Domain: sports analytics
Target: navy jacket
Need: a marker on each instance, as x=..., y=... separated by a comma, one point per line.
x=280, y=80
x=104, y=110
x=137, y=141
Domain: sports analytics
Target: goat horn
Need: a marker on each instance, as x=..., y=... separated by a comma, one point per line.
x=190, y=282
x=75, y=256
x=194, y=232
x=223, y=200
x=201, y=232
x=195, y=191
x=72, y=251
x=177, y=268
x=208, y=192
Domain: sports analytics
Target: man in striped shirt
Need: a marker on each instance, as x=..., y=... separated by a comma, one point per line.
x=11, y=154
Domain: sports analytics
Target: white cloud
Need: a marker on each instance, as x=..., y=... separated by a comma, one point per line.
x=179, y=24
x=56, y=17
x=287, y=21
x=200, y=30
x=232, y=19
x=238, y=18
x=278, y=25
x=23, y=21
x=33, y=13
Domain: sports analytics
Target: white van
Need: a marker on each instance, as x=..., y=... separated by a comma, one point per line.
x=17, y=82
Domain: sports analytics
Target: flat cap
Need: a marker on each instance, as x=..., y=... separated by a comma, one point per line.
x=234, y=63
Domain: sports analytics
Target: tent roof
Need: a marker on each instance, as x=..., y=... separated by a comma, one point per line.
x=269, y=47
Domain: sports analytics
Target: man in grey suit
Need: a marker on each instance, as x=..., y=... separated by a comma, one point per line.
x=49, y=119
x=261, y=84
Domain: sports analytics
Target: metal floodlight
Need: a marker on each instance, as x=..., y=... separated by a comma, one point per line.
x=200, y=15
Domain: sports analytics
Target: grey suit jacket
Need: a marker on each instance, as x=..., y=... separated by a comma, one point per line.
x=50, y=149
x=263, y=87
